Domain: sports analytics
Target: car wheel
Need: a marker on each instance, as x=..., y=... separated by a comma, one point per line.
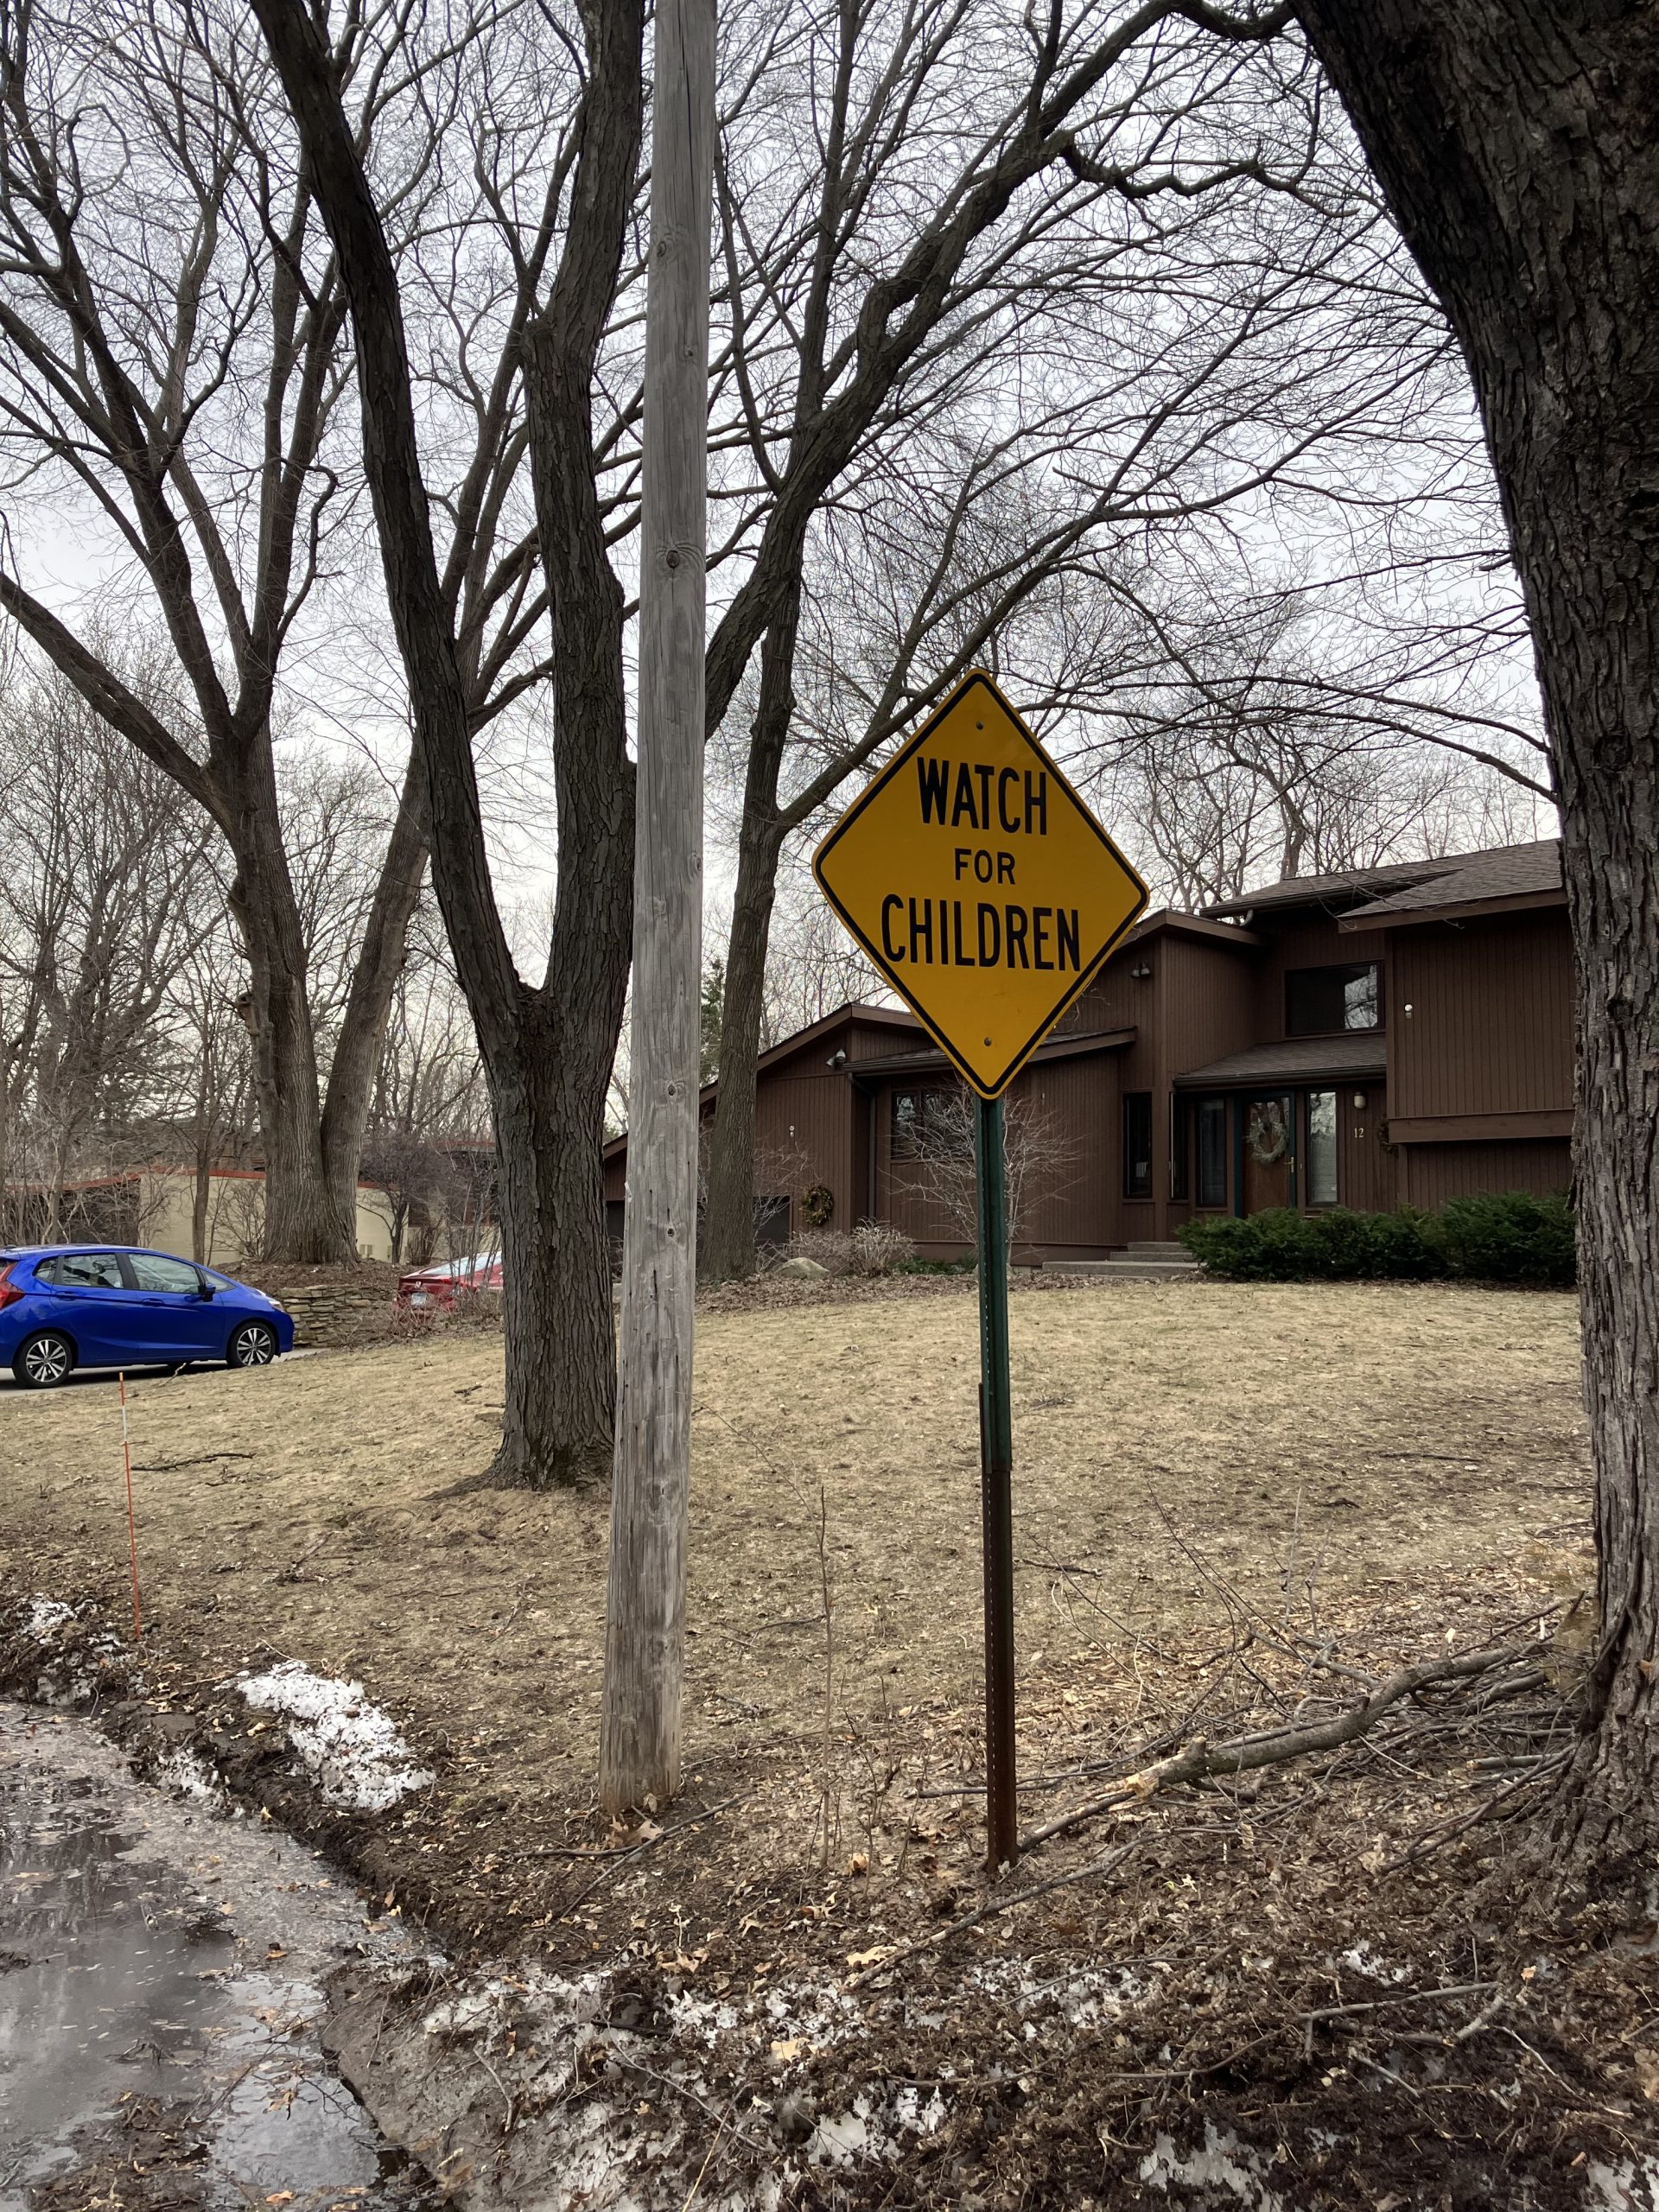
x=43, y=1362
x=254, y=1344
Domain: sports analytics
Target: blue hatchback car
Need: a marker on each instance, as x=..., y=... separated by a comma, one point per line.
x=69, y=1306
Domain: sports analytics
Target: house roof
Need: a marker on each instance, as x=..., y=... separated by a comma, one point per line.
x=843, y=1017
x=1511, y=876
x=929, y=1060
x=1315, y=890
x=1184, y=924
x=1409, y=888
x=1295, y=1060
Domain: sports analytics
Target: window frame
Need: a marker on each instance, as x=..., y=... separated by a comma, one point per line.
x=1347, y=967
x=129, y=1262
x=1312, y=1203
x=121, y=1285
x=1141, y=1102
x=1215, y=1104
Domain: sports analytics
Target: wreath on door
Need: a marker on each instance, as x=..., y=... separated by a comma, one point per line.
x=1266, y=1134
x=817, y=1206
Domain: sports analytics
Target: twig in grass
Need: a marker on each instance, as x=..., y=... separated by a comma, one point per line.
x=1300, y=2020
x=1436, y=1838
x=199, y=1460
x=680, y=2090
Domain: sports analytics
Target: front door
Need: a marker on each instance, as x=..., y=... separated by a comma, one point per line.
x=1269, y=1165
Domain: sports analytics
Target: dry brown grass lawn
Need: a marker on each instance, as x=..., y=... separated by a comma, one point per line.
x=1401, y=1467
x=1342, y=1436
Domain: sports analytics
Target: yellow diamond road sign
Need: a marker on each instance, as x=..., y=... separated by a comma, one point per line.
x=979, y=883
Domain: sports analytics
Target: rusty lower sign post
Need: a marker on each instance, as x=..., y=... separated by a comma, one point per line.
x=980, y=887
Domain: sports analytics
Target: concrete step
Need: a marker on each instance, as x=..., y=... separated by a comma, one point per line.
x=1127, y=1270
x=1169, y=1250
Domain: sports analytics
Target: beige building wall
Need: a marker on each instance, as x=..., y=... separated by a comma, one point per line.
x=236, y=1206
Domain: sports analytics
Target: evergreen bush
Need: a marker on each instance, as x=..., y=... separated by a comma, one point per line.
x=1512, y=1236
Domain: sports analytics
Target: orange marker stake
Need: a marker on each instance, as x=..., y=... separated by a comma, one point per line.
x=132, y=1533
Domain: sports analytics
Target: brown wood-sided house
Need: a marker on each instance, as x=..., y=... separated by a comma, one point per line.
x=1391, y=1035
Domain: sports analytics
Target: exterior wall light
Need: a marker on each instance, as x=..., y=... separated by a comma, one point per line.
x=1140, y=972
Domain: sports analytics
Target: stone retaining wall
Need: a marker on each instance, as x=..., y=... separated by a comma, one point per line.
x=335, y=1313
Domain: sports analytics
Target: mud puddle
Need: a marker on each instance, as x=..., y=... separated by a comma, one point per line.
x=161, y=1991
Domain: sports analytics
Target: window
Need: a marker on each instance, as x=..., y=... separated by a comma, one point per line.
x=1137, y=1144
x=1212, y=1152
x=907, y=1125
x=152, y=1271
x=1321, y=1147
x=81, y=1271
x=1320, y=1000
x=1180, y=1135
x=932, y=1125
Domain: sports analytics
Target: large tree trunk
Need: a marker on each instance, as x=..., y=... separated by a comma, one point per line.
x=1516, y=143
x=560, y=1371
x=726, y=1246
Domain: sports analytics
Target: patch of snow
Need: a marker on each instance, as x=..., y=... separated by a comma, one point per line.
x=1363, y=1960
x=843, y=2139
x=189, y=1774
x=46, y=1618
x=1224, y=2163
x=350, y=1747
x=1626, y=2187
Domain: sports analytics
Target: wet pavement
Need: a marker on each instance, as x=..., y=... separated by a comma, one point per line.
x=160, y=1974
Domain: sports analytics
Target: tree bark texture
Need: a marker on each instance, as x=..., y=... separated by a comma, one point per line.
x=727, y=1252
x=562, y=1399
x=645, y=1649
x=1515, y=141
x=547, y=1050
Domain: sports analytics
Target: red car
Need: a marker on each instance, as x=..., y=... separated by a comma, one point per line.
x=437, y=1288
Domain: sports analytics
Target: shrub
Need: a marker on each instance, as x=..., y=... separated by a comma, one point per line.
x=1271, y=1247
x=877, y=1248
x=1514, y=1237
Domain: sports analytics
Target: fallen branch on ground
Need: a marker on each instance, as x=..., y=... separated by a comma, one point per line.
x=1201, y=1761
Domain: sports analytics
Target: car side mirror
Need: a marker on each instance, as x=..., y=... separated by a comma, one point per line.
x=210, y=1290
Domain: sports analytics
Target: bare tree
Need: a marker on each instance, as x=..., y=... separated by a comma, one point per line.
x=972, y=386
x=1246, y=741
x=933, y=1158
x=428, y=1132
x=562, y=216
x=107, y=897
x=171, y=358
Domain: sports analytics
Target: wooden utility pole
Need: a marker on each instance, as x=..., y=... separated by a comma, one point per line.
x=645, y=1643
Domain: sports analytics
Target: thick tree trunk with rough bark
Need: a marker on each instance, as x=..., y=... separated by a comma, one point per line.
x=556, y=1426
x=1514, y=140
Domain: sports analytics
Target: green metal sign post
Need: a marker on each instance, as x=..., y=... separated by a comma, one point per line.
x=996, y=1482
x=983, y=891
